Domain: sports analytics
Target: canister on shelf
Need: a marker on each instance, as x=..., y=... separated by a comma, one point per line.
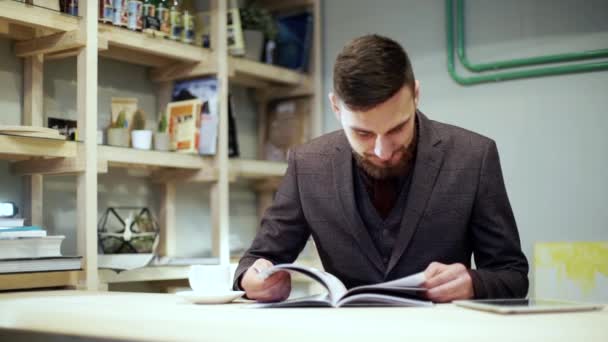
x=188, y=29
x=106, y=11
x=134, y=15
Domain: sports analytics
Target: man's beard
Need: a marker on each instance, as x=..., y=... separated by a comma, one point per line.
x=383, y=172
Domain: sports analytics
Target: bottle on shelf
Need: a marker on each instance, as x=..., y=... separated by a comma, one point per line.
x=120, y=13
x=106, y=11
x=162, y=13
x=175, y=19
x=150, y=24
x=134, y=15
x=188, y=22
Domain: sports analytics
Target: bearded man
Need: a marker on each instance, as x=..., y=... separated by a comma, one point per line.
x=390, y=194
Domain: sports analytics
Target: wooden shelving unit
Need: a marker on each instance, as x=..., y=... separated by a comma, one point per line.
x=42, y=34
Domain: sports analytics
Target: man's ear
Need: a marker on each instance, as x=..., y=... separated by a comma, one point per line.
x=416, y=92
x=333, y=99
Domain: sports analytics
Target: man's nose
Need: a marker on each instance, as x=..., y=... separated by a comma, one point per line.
x=383, y=149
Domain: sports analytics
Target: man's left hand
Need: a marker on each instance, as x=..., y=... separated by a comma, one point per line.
x=445, y=283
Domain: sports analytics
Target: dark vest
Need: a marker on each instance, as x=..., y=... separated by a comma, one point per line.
x=383, y=231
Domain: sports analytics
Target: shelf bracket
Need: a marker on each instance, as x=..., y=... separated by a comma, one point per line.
x=53, y=43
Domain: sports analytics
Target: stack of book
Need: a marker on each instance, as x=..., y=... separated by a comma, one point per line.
x=29, y=249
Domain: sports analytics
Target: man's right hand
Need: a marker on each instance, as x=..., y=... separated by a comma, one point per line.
x=275, y=288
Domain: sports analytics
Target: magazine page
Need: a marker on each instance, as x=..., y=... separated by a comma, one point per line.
x=375, y=299
x=334, y=286
x=410, y=285
x=318, y=300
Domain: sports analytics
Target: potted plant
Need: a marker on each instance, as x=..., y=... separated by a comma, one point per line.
x=141, y=137
x=161, y=137
x=118, y=132
x=258, y=26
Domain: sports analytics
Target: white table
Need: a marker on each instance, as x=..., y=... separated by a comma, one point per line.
x=166, y=317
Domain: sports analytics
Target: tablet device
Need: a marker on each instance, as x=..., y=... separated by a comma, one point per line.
x=521, y=305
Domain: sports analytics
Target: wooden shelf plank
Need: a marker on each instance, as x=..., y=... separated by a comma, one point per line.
x=248, y=69
x=139, y=48
x=33, y=280
x=13, y=147
x=150, y=273
x=32, y=16
x=129, y=157
x=256, y=169
x=241, y=71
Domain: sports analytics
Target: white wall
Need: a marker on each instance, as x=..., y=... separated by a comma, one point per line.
x=551, y=131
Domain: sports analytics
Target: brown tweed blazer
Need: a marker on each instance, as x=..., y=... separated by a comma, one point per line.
x=457, y=207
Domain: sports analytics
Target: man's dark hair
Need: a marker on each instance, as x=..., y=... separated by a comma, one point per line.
x=370, y=70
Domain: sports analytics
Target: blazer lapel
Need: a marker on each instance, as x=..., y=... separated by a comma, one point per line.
x=343, y=180
x=429, y=158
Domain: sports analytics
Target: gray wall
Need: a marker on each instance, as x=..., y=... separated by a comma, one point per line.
x=551, y=131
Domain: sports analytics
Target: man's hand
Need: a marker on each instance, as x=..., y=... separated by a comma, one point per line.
x=272, y=289
x=445, y=283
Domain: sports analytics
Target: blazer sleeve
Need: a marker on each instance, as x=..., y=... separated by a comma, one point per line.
x=501, y=267
x=284, y=230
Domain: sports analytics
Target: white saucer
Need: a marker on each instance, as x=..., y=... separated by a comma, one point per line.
x=210, y=297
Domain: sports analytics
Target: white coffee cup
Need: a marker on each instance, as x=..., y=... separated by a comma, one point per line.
x=210, y=278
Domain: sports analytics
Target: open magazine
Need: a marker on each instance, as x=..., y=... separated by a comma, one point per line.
x=400, y=292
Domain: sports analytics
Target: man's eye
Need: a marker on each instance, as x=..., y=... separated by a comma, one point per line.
x=364, y=134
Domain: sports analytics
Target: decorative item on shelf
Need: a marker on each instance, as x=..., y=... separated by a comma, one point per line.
x=236, y=44
x=204, y=89
x=120, y=17
x=184, y=125
x=202, y=35
x=151, y=24
x=134, y=15
x=258, y=27
x=188, y=22
x=161, y=137
x=175, y=21
x=294, y=40
x=65, y=127
x=106, y=11
x=118, y=132
x=69, y=6
x=287, y=126
x=141, y=138
x=233, y=143
x=137, y=233
x=162, y=13
x=128, y=105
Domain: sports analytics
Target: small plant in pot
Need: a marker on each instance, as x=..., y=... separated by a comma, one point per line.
x=118, y=132
x=141, y=138
x=259, y=32
x=161, y=137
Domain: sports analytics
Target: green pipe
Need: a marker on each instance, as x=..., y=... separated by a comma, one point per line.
x=513, y=63
x=504, y=76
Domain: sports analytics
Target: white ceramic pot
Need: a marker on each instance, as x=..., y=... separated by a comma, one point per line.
x=161, y=141
x=141, y=139
x=118, y=137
